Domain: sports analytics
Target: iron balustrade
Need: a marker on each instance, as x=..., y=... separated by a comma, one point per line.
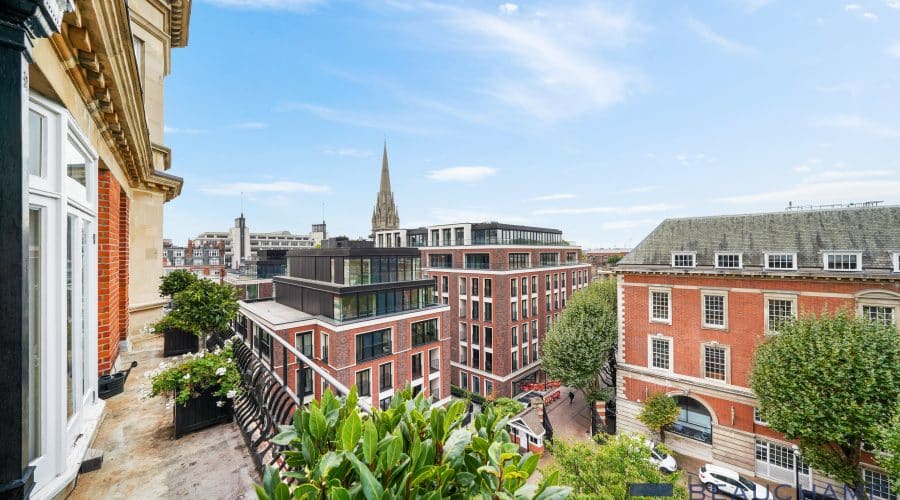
x=267, y=400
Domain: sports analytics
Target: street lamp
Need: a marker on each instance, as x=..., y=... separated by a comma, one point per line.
x=797, y=470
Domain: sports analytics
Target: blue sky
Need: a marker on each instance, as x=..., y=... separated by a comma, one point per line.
x=598, y=118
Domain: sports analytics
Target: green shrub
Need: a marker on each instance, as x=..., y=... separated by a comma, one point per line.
x=175, y=282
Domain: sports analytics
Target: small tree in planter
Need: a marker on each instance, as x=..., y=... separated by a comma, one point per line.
x=175, y=282
x=204, y=308
x=201, y=388
x=659, y=412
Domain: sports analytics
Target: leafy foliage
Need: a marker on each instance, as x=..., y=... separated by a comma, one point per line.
x=613, y=260
x=410, y=450
x=175, y=282
x=505, y=407
x=204, y=307
x=196, y=372
x=889, y=455
x=659, y=411
x=605, y=470
x=580, y=347
x=831, y=383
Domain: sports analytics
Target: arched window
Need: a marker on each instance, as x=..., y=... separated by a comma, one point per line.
x=694, y=420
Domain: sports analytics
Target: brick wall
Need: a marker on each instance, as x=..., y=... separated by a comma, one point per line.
x=112, y=270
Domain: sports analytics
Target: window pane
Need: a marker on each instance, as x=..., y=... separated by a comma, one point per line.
x=31, y=438
x=35, y=153
x=76, y=163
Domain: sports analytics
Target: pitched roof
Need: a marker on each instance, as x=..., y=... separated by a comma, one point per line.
x=874, y=232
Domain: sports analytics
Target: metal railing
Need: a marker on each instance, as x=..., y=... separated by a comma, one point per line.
x=490, y=241
x=267, y=400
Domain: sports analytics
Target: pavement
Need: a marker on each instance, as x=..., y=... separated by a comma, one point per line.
x=142, y=459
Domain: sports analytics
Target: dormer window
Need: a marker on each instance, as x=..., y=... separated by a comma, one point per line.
x=729, y=261
x=842, y=261
x=683, y=259
x=896, y=261
x=781, y=261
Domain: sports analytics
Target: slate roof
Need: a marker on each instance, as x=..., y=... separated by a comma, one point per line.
x=874, y=231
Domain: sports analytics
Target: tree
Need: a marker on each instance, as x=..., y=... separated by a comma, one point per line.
x=889, y=454
x=613, y=260
x=831, y=383
x=204, y=307
x=410, y=450
x=659, y=412
x=580, y=347
x=605, y=470
x=175, y=282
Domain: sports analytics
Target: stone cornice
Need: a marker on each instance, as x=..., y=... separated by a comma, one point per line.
x=180, y=20
x=95, y=45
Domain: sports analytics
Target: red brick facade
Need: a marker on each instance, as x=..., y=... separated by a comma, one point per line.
x=564, y=280
x=112, y=270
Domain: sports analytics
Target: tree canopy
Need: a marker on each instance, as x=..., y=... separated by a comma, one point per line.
x=204, y=307
x=410, y=450
x=605, y=470
x=659, y=411
x=175, y=282
x=579, y=349
x=831, y=383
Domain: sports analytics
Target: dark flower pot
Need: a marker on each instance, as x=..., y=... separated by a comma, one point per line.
x=201, y=412
x=177, y=342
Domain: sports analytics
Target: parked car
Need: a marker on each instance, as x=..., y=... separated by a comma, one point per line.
x=717, y=479
x=660, y=458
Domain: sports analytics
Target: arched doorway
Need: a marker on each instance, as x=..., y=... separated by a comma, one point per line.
x=694, y=420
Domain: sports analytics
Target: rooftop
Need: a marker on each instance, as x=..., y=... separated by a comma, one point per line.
x=275, y=313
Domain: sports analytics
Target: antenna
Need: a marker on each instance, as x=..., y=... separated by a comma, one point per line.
x=242, y=203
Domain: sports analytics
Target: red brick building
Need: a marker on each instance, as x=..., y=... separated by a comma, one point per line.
x=365, y=315
x=699, y=294
x=504, y=285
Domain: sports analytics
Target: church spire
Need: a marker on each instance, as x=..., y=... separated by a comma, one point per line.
x=385, y=214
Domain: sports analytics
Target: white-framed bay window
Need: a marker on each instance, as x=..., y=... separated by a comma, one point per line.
x=62, y=408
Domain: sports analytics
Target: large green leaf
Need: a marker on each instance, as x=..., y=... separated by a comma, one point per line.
x=455, y=446
x=351, y=430
x=371, y=488
x=317, y=423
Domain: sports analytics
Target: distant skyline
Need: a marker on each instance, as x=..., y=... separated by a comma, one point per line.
x=599, y=119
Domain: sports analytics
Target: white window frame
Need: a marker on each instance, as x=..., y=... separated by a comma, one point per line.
x=715, y=345
x=858, y=255
x=671, y=342
x=213, y=253
x=717, y=293
x=895, y=260
x=777, y=296
x=681, y=254
x=668, y=292
x=198, y=252
x=757, y=419
x=740, y=257
x=793, y=261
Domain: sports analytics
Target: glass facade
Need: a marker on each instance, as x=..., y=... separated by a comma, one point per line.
x=369, y=270
x=373, y=345
x=369, y=304
x=424, y=332
x=495, y=236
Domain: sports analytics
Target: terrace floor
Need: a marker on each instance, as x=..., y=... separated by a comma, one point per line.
x=143, y=460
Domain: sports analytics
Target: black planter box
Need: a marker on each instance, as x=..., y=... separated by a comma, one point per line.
x=201, y=412
x=177, y=342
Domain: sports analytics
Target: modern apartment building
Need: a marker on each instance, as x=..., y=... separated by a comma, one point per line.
x=241, y=245
x=254, y=280
x=365, y=315
x=84, y=174
x=699, y=294
x=504, y=284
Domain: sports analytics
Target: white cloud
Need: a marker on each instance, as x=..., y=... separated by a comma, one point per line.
x=852, y=6
x=894, y=4
x=236, y=188
x=725, y=44
x=633, y=209
x=870, y=16
x=290, y=5
x=830, y=187
x=551, y=197
x=894, y=50
x=802, y=168
x=349, y=152
x=189, y=131
x=856, y=8
x=508, y=8
x=858, y=123
x=461, y=174
x=548, y=65
x=250, y=125
x=353, y=118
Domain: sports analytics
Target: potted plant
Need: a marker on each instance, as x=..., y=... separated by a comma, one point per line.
x=201, y=387
x=177, y=339
x=203, y=308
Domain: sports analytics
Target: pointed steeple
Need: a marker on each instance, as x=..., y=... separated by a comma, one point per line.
x=385, y=214
x=385, y=172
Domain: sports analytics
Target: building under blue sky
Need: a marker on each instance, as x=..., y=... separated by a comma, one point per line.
x=598, y=118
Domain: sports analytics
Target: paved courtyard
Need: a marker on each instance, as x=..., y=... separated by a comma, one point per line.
x=143, y=460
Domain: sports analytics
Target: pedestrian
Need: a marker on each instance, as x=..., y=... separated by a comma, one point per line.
x=571, y=397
